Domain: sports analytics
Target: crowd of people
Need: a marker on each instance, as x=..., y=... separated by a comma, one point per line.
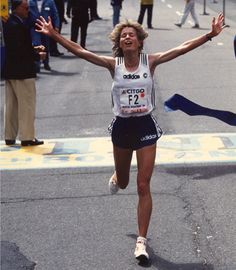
x=134, y=127
x=24, y=45
x=81, y=13
x=34, y=50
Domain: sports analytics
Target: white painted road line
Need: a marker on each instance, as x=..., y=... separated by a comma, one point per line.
x=179, y=13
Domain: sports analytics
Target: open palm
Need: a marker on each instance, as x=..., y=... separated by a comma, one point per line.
x=218, y=24
x=44, y=27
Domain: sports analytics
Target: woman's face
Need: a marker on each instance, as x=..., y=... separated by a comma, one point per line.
x=129, y=40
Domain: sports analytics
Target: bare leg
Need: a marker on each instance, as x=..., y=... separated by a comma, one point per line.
x=122, y=158
x=146, y=160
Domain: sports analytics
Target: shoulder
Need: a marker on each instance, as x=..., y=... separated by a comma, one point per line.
x=13, y=23
x=153, y=61
x=13, y=20
x=153, y=58
x=112, y=62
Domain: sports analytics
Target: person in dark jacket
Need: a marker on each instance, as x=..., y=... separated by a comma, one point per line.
x=19, y=74
x=94, y=13
x=80, y=19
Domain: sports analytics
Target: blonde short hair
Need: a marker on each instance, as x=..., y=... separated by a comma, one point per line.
x=115, y=35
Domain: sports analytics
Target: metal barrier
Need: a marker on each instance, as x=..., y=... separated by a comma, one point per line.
x=204, y=8
x=223, y=10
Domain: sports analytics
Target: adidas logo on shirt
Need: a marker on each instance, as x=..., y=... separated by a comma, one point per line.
x=131, y=76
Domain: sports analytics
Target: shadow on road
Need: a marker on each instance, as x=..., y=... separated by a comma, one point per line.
x=203, y=172
x=13, y=259
x=162, y=264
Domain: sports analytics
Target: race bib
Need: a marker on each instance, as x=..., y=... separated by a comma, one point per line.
x=133, y=100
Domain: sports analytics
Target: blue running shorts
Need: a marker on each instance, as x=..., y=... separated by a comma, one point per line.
x=134, y=132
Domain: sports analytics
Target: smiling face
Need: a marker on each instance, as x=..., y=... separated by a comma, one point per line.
x=127, y=35
x=129, y=40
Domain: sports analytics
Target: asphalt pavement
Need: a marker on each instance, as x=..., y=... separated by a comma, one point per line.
x=65, y=219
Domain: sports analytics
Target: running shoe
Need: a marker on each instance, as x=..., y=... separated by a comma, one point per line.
x=113, y=186
x=140, y=252
x=196, y=26
x=178, y=24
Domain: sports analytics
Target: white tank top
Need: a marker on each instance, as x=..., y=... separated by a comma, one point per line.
x=133, y=93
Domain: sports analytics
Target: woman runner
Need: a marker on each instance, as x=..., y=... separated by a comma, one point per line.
x=133, y=128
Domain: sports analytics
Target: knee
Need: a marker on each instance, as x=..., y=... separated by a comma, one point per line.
x=122, y=182
x=122, y=185
x=143, y=188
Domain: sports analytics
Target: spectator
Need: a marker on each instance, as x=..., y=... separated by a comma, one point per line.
x=94, y=13
x=80, y=19
x=116, y=5
x=2, y=47
x=60, y=5
x=49, y=9
x=34, y=14
x=20, y=95
x=189, y=8
x=146, y=5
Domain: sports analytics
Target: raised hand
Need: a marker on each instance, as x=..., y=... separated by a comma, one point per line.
x=217, y=24
x=44, y=27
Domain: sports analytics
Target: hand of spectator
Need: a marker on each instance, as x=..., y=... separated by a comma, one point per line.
x=42, y=55
x=68, y=15
x=39, y=48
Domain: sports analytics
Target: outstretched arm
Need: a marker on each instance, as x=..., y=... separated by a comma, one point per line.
x=159, y=58
x=46, y=28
